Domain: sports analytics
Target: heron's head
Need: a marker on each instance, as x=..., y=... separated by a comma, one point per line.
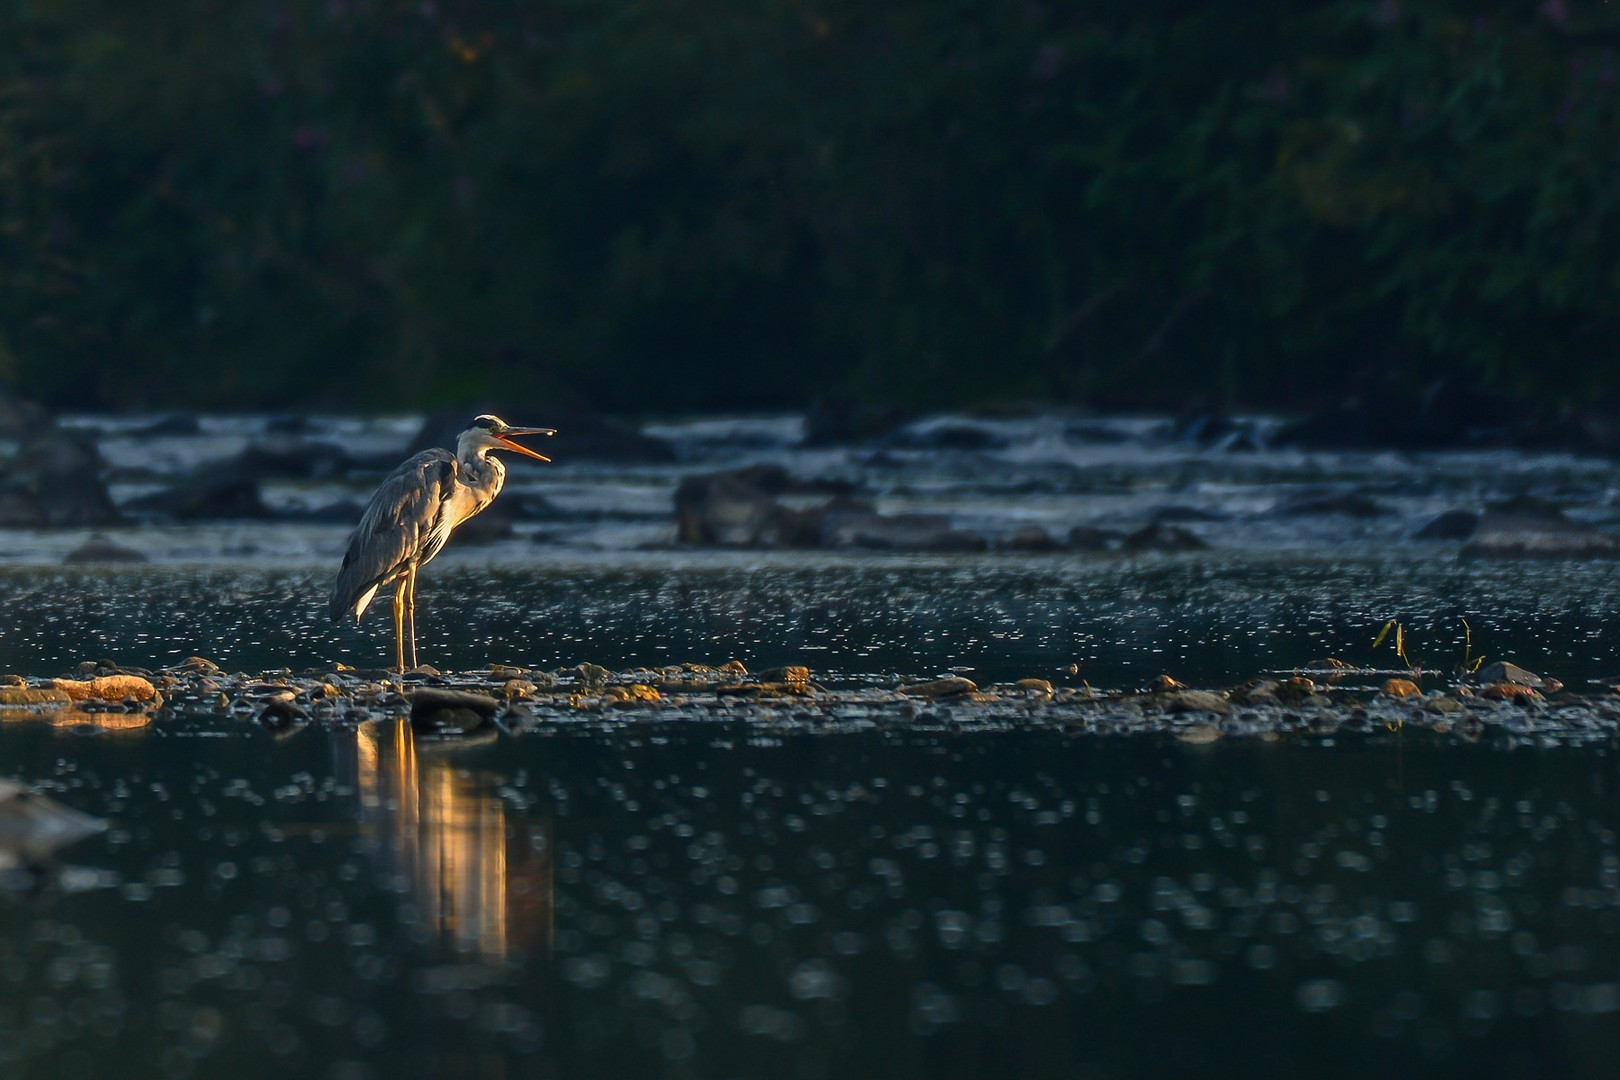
x=488, y=433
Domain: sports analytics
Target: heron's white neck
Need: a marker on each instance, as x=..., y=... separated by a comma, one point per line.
x=478, y=468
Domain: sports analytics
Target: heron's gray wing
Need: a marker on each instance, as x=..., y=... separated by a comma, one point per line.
x=396, y=527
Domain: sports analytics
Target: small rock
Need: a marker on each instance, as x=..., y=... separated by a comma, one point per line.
x=939, y=688
x=592, y=675
x=1034, y=687
x=108, y=688
x=436, y=710
x=1504, y=672
x=1162, y=537
x=1451, y=525
x=280, y=714
x=1029, y=538
x=98, y=548
x=1257, y=692
x=1401, y=688
x=1197, y=701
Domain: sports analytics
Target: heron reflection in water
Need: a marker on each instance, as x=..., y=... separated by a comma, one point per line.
x=410, y=519
x=479, y=880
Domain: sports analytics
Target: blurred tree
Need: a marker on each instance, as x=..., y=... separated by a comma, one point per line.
x=658, y=204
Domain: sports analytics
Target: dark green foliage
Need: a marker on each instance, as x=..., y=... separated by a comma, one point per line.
x=658, y=204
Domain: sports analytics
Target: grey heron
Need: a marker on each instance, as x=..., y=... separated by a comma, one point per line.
x=411, y=517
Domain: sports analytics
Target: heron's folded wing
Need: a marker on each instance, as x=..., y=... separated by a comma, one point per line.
x=397, y=524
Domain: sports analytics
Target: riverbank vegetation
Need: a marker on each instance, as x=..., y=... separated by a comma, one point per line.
x=660, y=205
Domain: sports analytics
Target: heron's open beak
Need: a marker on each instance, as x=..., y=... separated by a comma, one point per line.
x=505, y=439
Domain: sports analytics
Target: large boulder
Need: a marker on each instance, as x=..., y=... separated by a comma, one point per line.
x=54, y=479
x=1527, y=527
x=217, y=500
x=736, y=508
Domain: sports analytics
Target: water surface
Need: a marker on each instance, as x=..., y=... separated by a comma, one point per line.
x=713, y=899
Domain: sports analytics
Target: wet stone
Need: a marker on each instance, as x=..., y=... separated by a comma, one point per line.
x=940, y=688
x=434, y=710
x=98, y=548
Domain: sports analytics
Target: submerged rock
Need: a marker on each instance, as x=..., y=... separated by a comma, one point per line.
x=98, y=548
x=33, y=826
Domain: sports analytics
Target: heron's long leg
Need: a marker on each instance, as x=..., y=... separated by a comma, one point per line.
x=399, y=627
x=410, y=609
